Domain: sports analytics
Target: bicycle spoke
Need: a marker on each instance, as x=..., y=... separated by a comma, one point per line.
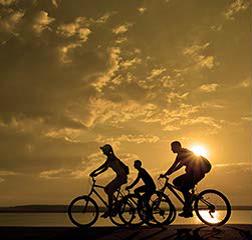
x=83, y=211
x=212, y=207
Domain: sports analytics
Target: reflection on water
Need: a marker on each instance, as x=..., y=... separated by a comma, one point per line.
x=214, y=217
x=61, y=219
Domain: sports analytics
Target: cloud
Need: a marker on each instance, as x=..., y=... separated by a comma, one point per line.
x=174, y=96
x=56, y=3
x=129, y=138
x=235, y=7
x=171, y=128
x=128, y=63
x=247, y=118
x=142, y=10
x=65, y=52
x=196, y=54
x=212, y=87
x=206, y=61
x=11, y=20
x=23, y=124
x=246, y=83
x=4, y=173
x=121, y=40
x=206, y=120
x=216, y=28
x=102, y=110
x=156, y=72
x=38, y=145
x=129, y=156
x=69, y=134
x=114, y=61
x=44, y=126
x=7, y=2
x=171, y=120
x=234, y=169
x=78, y=29
x=55, y=174
x=82, y=170
x=241, y=164
x=194, y=50
x=121, y=29
x=8, y=173
x=150, y=82
x=104, y=18
x=42, y=22
x=212, y=104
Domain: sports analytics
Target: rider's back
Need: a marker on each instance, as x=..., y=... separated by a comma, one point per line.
x=193, y=163
x=117, y=165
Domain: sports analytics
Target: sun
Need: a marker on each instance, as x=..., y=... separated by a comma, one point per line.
x=199, y=150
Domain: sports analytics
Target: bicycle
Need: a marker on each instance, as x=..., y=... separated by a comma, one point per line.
x=135, y=211
x=132, y=211
x=211, y=206
x=83, y=211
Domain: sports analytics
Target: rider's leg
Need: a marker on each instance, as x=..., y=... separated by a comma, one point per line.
x=147, y=196
x=188, y=203
x=145, y=199
x=139, y=190
x=110, y=190
x=190, y=183
x=184, y=183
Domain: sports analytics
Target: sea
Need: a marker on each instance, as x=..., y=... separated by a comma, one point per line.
x=62, y=220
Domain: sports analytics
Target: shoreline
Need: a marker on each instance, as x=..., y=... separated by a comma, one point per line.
x=63, y=209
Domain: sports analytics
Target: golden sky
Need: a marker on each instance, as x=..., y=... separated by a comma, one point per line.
x=75, y=75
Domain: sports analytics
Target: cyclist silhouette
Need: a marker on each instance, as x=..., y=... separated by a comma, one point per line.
x=194, y=173
x=118, y=167
x=149, y=186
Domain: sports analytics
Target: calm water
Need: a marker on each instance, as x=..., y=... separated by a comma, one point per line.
x=61, y=219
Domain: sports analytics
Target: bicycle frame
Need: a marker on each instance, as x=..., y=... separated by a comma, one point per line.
x=172, y=189
x=93, y=190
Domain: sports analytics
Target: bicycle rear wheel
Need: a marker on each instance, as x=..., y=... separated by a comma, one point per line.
x=212, y=207
x=114, y=216
x=162, y=209
x=129, y=213
x=83, y=211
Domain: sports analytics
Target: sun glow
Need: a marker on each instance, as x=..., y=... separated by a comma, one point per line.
x=211, y=218
x=199, y=150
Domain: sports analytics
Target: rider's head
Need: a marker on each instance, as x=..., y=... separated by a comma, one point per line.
x=137, y=164
x=176, y=146
x=107, y=149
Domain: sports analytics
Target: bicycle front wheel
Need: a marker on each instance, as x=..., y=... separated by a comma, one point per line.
x=212, y=207
x=83, y=211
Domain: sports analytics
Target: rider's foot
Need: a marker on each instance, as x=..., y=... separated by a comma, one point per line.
x=186, y=214
x=105, y=214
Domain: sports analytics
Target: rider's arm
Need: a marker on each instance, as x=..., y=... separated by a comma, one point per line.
x=175, y=166
x=100, y=169
x=134, y=182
